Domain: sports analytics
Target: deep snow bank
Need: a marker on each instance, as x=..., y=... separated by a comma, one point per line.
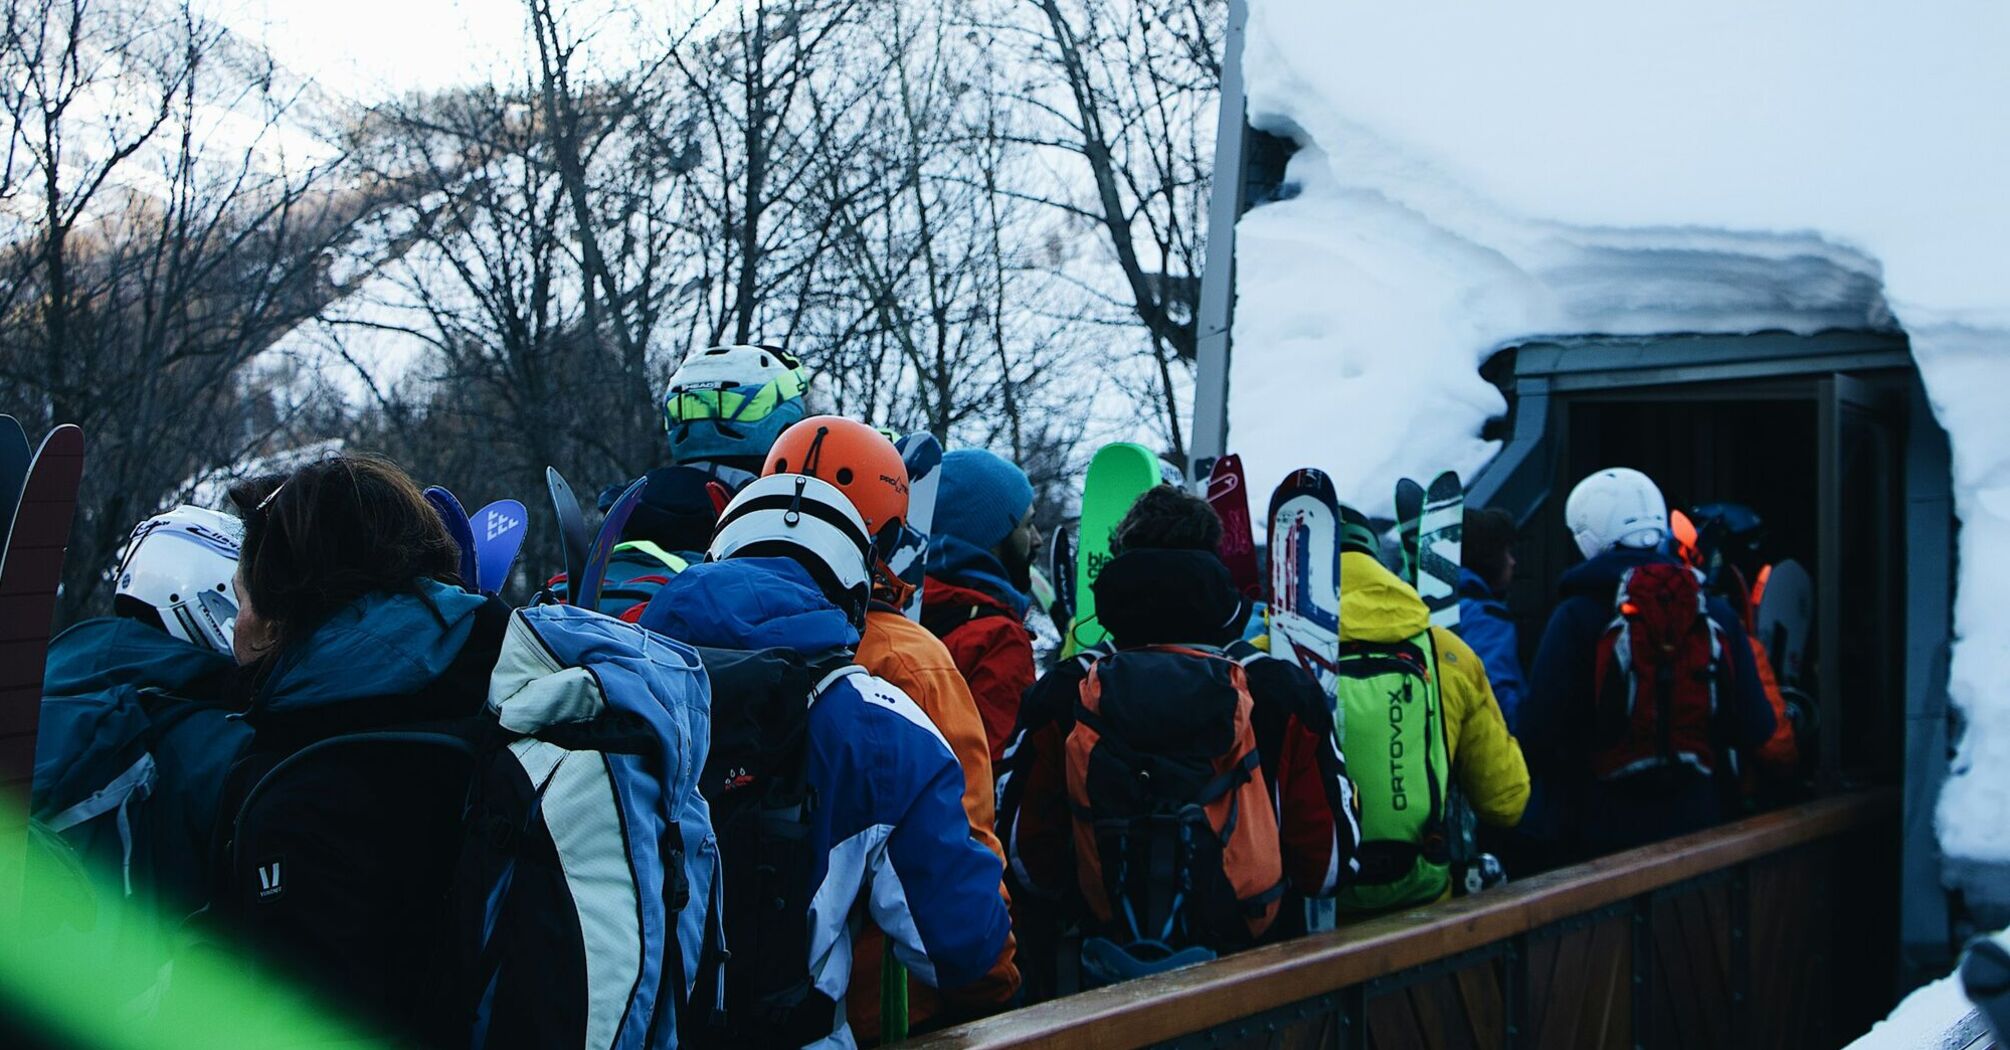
x=1477, y=175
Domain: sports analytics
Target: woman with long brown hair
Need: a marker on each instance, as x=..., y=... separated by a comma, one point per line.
x=351, y=620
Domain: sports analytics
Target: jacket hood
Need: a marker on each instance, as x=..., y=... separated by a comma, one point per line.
x=1158, y=597
x=1598, y=578
x=1376, y=605
x=378, y=646
x=936, y=591
x=111, y=651
x=957, y=560
x=749, y=603
x=1471, y=586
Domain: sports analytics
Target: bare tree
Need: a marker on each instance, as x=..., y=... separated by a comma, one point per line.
x=1129, y=91
x=167, y=241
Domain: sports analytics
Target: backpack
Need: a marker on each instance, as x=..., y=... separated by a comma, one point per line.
x=569, y=917
x=753, y=986
x=1660, y=664
x=1392, y=733
x=636, y=570
x=1178, y=853
x=127, y=786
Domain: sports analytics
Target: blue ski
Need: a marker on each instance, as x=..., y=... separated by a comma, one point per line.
x=571, y=527
x=585, y=588
x=499, y=530
x=458, y=527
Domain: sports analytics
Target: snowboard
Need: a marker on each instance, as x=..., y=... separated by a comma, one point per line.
x=1061, y=570
x=1227, y=494
x=15, y=456
x=1785, y=622
x=923, y=456
x=1409, y=523
x=1305, y=574
x=585, y=587
x=31, y=571
x=499, y=535
x=1440, y=533
x=463, y=532
x=572, y=536
x=1118, y=475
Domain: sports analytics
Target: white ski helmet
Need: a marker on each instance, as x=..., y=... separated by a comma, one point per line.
x=810, y=521
x=178, y=565
x=1615, y=507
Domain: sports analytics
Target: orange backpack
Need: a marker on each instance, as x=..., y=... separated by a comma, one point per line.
x=1176, y=840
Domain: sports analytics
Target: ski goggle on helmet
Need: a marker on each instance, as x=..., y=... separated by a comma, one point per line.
x=733, y=401
x=809, y=521
x=178, y=567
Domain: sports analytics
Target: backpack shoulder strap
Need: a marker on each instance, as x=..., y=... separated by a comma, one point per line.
x=942, y=619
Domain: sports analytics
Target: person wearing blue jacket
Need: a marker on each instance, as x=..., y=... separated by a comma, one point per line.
x=1484, y=622
x=136, y=737
x=351, y=619
x=1620, y=521
x=789, y=568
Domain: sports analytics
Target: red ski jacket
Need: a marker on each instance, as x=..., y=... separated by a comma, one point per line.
x=990, y=645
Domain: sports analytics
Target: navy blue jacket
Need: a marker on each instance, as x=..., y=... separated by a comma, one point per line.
x=1484, y=624
x=1554, y=721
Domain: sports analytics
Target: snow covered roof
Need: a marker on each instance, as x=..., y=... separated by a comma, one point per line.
x=1471, y=177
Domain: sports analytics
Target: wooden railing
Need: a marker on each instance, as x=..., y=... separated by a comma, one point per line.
x=1791, y=912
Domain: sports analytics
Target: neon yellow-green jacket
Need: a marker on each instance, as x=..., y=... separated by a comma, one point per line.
x=1487, y=765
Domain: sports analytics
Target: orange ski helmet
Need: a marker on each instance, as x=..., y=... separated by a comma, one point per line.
x=857, y=459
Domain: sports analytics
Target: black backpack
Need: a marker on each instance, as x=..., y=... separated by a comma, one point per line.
x=754, y=989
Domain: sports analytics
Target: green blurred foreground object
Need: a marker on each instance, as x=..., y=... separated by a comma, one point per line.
x=67, y=972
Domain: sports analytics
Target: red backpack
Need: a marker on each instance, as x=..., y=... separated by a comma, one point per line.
x=1661, y=664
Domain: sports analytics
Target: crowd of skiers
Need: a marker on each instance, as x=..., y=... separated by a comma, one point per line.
x=748, y=800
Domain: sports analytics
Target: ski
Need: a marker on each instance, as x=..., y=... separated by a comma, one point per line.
x=1118, y=475
x=1305, y=574
x=923, y=456
x=1409, y=520
x=585, y=588
x=1440, y=542
x=38, y=533
x=499, y=531
x=1227, y=494
x=1785, y=621
x=15, y=456
x=571, y=526
x=456, y=518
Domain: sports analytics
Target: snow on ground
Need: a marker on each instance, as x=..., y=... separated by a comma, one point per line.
x=1935, y=1017
x=1475, y=175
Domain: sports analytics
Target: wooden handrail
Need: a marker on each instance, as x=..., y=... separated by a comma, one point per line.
x=1157, y=1008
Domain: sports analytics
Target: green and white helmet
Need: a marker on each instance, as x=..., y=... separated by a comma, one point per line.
x=729, y=403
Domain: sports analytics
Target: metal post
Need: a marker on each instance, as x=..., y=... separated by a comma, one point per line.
x=1217, y=282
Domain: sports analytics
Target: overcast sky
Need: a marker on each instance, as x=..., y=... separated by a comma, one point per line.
x=369, y=48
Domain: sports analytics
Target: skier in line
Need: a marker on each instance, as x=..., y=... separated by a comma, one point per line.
x=350, y=618
x=136, y=736
x=1589, y=800
x=864, y=465
x=980, y=564
x=1403, y=864
x=889, y=834
x=1166, y=585
x=725, y=406
x=1484, y=621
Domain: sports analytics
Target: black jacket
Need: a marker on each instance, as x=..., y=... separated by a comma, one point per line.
x=337, y=852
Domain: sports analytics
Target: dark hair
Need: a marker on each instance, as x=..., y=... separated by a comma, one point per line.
x=332, y=532
x=1168, y=517
x=1488, y=536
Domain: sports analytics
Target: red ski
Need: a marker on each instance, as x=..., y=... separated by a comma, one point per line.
x=1229, y=495
x=30, y=571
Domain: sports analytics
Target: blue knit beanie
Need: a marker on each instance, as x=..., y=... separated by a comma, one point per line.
x=981, y=499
